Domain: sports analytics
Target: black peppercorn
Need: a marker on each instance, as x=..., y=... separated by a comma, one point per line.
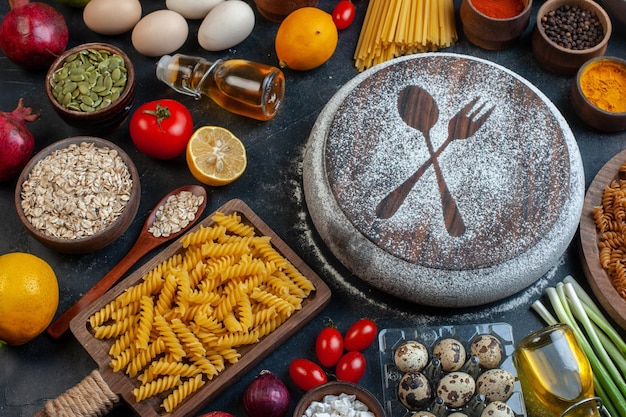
x=573, y=27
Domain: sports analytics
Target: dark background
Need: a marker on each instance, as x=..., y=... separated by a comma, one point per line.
x=272, y=187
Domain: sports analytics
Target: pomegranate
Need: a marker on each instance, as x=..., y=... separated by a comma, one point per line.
x=33, y=34
x=16, y=141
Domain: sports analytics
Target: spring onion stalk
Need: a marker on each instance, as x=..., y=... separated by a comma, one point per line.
x=579, y=313
x=618, y=358
x=596, y=315
x=543, y=312
x=565, y=317
x=612, y=396
x=599, y=341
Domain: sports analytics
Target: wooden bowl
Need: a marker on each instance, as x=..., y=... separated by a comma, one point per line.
x=335, y=388
x=597, y=277
x=491, y=33
x=587, y=110
x=277, y=10
x=101, y=119
x=560, y=60
x=89, y=242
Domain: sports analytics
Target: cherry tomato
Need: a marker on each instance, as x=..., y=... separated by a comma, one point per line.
x=360, y=335
x=306, y=374
x=351, y=367
x=161, y=128
x=343, y=14
x=329, y=346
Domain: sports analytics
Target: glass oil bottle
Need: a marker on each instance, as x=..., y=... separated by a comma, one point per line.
x=240, y=86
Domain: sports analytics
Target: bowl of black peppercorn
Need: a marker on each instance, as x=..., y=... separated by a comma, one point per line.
x=568, y=33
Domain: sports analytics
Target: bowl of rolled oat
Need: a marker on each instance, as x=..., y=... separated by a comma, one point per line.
x=78, y=195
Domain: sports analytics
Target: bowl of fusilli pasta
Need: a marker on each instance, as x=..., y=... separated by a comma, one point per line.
x=602, y=238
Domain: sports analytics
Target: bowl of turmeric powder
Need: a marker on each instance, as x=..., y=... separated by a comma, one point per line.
x=568, y=33
x=599, y=93
x=495, y=24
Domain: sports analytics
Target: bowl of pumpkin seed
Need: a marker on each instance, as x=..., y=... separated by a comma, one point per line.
x=92, y=86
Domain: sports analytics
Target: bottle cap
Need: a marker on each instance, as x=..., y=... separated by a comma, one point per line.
x=162, y=68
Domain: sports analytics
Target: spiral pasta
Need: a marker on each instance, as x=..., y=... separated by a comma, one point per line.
x=610, y=221
x=187, y=318
x=181, y=392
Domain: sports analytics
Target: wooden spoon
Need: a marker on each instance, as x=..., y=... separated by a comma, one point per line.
x=144, y=244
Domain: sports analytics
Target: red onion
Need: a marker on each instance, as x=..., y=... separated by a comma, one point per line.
x=266, y=396
x=16, y=141
x=33, y=34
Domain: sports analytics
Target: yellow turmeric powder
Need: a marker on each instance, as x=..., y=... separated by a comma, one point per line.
x=604, y=84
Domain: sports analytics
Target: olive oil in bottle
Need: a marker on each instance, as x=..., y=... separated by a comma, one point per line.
x=240, y=86
x=555, y=374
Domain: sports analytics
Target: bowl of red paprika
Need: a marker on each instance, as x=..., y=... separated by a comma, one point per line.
x=599, y=93
x=495, y=24
x=568, y=33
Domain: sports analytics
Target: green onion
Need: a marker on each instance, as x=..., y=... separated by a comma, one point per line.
x=602, y=344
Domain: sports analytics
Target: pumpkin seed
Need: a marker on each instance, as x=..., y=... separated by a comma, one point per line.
x=89, y=80
x=83, y=87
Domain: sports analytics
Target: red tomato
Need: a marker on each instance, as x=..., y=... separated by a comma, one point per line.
x=161, y=128
x=351, y=367
x=343, y=14
x=329, y=346
x=360, y=335
x=306, y=374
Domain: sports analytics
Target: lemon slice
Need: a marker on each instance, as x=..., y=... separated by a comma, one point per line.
x=215, y=156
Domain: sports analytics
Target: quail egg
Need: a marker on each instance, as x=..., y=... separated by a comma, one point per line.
x=414, y=390
x=423, y=414
x=451, y=353
x=497, y=409
x=488, y=349
x=410, y=356
x=495, y=384
x=456, y=389
x=457, y=414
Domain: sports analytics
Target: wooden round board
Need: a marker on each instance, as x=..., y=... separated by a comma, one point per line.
x=597, y=277
x=494, y=183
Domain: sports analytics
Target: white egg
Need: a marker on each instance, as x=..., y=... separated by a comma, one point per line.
x=226, y=25
x=192, y=9
x=111, y=17
x=160, y=33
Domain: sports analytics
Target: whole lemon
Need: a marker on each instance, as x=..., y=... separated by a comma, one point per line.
x=306, y=39
x=29, y=297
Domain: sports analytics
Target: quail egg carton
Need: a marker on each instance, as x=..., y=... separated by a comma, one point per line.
x=390, y=339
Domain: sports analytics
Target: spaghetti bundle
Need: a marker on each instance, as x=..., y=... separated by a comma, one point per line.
x=394, y=28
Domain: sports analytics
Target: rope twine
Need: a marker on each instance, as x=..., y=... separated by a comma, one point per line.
x=90, y=397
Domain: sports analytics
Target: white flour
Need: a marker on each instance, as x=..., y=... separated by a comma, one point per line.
x=308, y=244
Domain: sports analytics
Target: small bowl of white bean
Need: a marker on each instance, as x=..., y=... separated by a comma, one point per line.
x=78, y=195
x=338, y=395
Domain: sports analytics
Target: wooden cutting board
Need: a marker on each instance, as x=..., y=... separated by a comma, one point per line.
x=121, y=384
x=514, y=175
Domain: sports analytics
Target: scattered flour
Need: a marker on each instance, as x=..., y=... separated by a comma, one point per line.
x=361, y=246
x=309, y=244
